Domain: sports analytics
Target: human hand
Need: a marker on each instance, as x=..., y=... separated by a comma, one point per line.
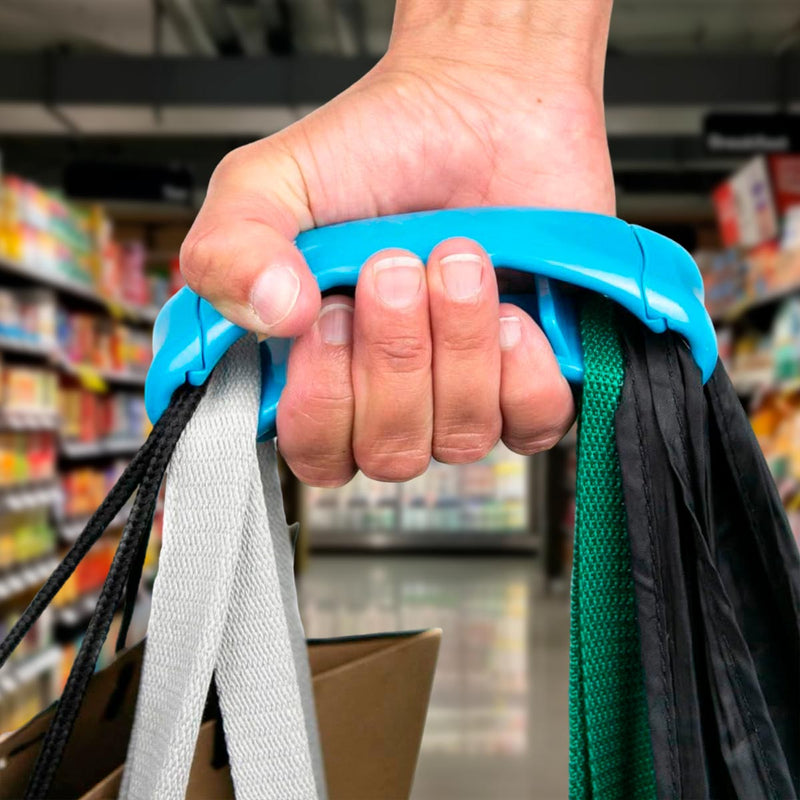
x=462, y=111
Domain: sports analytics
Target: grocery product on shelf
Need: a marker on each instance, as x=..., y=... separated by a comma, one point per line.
x=40, y=229
x=751, y=203
x=28, y=388
x=27, y=457
x=28, y=316
x=88, y=416
x=757, y=211
x=103, y=344
x=762, y=360
x=26, y=536
x=134, y=284
x=785, y=337
x=724, y=277
x=50, y=236
x=84, y=488
x=165, y=279
x=750, y=357
x=89, y=575
x=734, y=280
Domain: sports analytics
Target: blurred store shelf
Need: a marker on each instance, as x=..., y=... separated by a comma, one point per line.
x=18, y=419
x=749, y=381
x=25, y=577
x=29, y=669
x=79, y=610
x=26, y=484
x=74, y=350
x=74, y=289
x=24, y=498
x=152, y=211
x=69, y=530
x=495, y=504
x=736, y=311
x=759, y=381
x=52, y=280
x=84, y=371
x=83, y=450
x=88, y=373
x=17, y=346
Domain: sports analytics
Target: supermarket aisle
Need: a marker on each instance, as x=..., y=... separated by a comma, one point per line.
x=497, y=725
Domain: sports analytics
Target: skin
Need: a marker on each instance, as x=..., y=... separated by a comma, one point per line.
x=473, y=104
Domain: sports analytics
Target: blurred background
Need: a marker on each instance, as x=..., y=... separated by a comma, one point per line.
x=112, y=116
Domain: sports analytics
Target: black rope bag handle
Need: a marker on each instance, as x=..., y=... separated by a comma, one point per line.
x=144, y=476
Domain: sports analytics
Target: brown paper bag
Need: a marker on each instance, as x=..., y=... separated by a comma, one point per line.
x=371, y=696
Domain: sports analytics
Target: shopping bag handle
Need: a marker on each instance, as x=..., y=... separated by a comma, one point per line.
x=651, y=276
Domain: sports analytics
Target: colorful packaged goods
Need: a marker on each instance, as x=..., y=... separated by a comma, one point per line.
x=85, y=487
x=67, y=361
x=24, y=388
x=43, y=231
x=26, y=457
x=28, y=316
x=751, y=203
x=25, y=536
x=106, y=345
x=135, y=289
x=91, y=417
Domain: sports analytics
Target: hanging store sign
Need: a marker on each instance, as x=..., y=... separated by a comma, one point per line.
x=751, y=133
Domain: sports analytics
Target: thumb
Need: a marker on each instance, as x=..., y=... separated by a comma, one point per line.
x=240, y=254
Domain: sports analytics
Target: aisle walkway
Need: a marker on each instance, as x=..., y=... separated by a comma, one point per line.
x=497, y=726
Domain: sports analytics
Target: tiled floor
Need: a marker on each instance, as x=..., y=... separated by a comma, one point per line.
x=497, y=725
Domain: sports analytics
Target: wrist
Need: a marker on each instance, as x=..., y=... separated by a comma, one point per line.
x=562, y=41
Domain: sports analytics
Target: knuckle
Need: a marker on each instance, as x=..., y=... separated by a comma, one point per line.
x=466, y=341
x=316, y=443
x=316, y=427
x=319, y=401
x=199, y=254
x=323, y=472
x=401, y=464
x=529, y=445
x=464, y=446
x=401, y=354
x=233, y=161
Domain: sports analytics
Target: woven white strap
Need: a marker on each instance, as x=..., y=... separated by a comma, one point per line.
x=224, y=603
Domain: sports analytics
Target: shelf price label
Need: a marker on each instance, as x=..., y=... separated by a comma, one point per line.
x=90, y=378
x=115, y=310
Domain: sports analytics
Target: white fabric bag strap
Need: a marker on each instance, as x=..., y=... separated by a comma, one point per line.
x=224, y=603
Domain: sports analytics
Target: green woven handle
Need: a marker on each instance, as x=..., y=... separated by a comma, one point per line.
x=610, y=754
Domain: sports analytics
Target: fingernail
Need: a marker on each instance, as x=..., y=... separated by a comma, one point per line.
x=462, y=275
x=275, y=294
x=398, y=280
x=510, y=332
x=336, y=323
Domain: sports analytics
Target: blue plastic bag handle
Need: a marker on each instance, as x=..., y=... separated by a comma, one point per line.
x=651, y=276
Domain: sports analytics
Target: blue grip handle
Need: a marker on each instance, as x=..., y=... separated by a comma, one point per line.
x=649, y=275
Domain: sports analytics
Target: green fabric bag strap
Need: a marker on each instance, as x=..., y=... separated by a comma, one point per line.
x=610, y=754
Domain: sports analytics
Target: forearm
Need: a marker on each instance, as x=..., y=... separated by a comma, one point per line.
x=559, y=38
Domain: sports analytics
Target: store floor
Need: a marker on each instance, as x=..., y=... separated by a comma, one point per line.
x=497, y=725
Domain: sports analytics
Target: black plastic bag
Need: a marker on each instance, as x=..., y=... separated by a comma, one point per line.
x=717, y=580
